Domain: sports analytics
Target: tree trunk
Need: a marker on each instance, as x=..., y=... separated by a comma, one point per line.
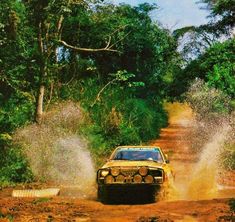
x=43, y=73
x=39, y=107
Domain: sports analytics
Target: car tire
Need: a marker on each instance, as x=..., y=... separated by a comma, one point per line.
x=152, y=196
x=102, y=194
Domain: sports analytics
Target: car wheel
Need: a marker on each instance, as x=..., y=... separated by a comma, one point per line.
x=152, y=197
x=102, y=195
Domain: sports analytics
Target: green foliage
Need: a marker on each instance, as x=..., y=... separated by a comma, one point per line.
x=215, y=66
x=121, y=91
x=7, y=217
x=16, y=111
x=145, y=118
x=14, y=167
x=220, y=26
x=232, y=204
x=224, y=11
x=146, y=50
x=41, y=200
x=118, y=117
x=228, y=157
x=219, y=65
x=204, y=99
x=122, y=76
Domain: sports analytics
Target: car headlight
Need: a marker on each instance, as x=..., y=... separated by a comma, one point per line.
x=115, y=171
x=120, y=179
x=109, y=179
x=104, y=173
x=137, y=178
x=143, y=171
x=148, y=179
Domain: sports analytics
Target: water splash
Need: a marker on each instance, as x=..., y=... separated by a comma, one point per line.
x=212, y=128
x=201, y=130
x=203, y=183
x=71, y=162
x=56, y=152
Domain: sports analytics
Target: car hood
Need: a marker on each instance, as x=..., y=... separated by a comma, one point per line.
x=123, y=163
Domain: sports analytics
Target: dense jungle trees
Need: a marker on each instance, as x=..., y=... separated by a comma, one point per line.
x=215, y=66
x=118, y=63
x=54, y=35
x=114, y=60
x=209, y=51
x=222, y=16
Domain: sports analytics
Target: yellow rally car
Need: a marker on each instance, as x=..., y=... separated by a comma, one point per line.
x=144, y=169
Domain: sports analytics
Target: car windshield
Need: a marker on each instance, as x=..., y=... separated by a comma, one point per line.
x=138, y=154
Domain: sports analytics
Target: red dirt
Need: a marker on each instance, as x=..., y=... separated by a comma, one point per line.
x=175, y=141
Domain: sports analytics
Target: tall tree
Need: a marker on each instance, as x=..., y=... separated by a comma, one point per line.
x=222, y=15
x=221, y=25
x=47, y=18
x=16, y=66
x=57, y=38
x=147, y=50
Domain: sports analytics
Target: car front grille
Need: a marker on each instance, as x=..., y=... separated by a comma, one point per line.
x=127, y=174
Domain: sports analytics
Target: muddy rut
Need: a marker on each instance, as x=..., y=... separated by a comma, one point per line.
x=189, y=199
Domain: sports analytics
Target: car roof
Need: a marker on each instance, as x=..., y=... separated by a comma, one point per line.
x=139, y=146
x=135, y=147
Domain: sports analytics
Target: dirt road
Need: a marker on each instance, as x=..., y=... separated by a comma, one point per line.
x=183, y=204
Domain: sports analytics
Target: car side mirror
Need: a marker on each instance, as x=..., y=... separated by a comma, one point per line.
x=167, y=159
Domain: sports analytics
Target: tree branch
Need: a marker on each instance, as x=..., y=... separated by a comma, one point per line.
x=107, y=48
x=59, y=26
x=99, y=93
x=120, y=39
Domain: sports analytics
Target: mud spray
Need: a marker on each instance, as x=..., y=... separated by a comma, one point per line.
x=56, y=152
x=203, y=182
x=212, y=128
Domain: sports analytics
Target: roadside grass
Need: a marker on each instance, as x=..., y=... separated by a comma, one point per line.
x=7, y=216
x=231, y=204
x=41, y=200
